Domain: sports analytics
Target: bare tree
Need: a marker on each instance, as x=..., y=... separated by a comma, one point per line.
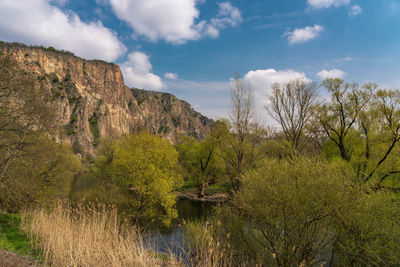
x=243, y=127
x=291, y=106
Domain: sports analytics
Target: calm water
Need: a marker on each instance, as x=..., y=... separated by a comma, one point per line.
x=170, y=240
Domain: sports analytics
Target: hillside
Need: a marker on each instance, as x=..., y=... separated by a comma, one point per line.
x=92, y=100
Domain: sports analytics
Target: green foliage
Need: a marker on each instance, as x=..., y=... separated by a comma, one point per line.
x=67, y=78
x=163, y=129
x=55, y=93
x=138, y=174
x=41, y=77
x=305, y=211
x=10, y=236
x=55, y=79
x=52, y=49
x=200, y=162
x=94, y=128
x=75, y=100
x=41, y=176
x=368, y=233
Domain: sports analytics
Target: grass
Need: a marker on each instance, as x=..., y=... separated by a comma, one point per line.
x=11, y=238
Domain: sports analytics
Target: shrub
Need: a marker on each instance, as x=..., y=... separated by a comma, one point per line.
x=306, y=212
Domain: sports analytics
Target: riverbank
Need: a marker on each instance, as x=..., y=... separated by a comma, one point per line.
x=215, y=197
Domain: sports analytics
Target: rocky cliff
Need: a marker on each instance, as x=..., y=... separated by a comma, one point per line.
x=92, y=100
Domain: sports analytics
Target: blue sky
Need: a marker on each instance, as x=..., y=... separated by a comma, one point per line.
x=191, y=48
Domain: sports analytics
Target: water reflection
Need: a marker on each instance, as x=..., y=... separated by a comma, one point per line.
x=170, y=240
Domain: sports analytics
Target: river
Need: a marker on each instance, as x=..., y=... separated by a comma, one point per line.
x=170, y=240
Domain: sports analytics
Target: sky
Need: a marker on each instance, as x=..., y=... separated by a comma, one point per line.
x=192, y=48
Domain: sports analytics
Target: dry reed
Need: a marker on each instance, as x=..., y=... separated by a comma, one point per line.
x=87, y=237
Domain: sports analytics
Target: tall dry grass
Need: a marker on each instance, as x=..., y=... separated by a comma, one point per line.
x=87, y=237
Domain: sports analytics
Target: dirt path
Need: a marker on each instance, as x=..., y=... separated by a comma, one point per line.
x=9, y=259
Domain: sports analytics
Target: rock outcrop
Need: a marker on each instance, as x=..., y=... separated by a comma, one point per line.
x=92, y=100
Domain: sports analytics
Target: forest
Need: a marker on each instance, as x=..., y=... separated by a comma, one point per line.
x=319, y=188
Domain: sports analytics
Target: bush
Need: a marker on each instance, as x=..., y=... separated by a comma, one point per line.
x=306, y=212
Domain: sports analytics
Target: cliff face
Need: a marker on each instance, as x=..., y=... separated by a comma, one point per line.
x=92, y=100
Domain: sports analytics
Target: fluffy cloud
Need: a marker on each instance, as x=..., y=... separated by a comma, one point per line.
x=302, y=35
x=261, y=81
x=137, y=72
x=38, y=22
x=171, y=76
x=333, y=73
x=327, y=3
x=228, y=16
x=212, y=98
x=355, y=10
x=174, y=21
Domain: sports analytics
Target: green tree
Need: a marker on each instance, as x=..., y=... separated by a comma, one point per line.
x=339, y=116
x=138, y=173
x=201, y=162
x=380, y=131
x=41, y=175
x=364, y=126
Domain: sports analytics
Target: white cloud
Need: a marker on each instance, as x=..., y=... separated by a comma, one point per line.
x=355, y=10
x=302, y=35
x=171, y=76
x=228, y=15
x=175, y=21
x=137, y=72
x=327, y=3
x=212, y=98
x=261, y=81
x=333, y=73
x=38, y=22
